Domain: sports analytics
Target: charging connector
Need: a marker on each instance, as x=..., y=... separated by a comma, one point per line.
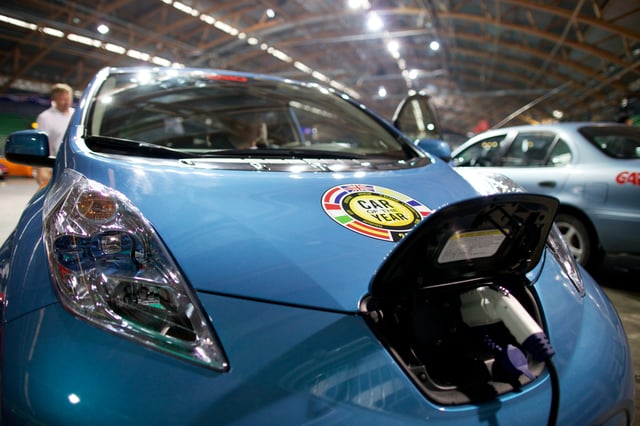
x=488, y=305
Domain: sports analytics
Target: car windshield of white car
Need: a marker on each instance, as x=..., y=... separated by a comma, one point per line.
x=187, y=113
x=616, y=141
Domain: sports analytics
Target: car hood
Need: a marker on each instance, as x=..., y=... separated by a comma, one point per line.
x=281, y=236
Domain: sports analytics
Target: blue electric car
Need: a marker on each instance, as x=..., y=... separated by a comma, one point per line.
x=225, y=248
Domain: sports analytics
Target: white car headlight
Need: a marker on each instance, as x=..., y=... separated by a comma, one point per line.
x=111, y=269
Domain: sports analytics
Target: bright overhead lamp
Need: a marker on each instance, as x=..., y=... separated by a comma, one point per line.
x=374, y=22
x=18, y=22
x=359, y=4
x=52, y=32
x=394, y=48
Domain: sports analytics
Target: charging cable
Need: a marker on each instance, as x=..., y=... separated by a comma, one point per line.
x=490, y=304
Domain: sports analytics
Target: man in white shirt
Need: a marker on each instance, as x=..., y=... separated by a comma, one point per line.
x=54, y=122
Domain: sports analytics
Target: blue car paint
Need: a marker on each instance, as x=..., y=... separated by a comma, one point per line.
x=29, y=290
x=578, y=328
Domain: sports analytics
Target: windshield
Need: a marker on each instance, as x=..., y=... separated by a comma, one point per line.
x=209, y=114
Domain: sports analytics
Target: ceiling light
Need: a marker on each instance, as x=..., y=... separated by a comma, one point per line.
x=319, y=76
x=279, y=54
x=271, y=13
x=84, y=40
x=136, y=54
x=52, y=32
x=434, y=45
x=103, y=29
x=158, y=60
x=382, y=91
x=302, y=67
x=223, y=26
x=358, y=4
x=18, y=22
x=208, y=19
x=115, y=48
x=374, y=22
x=394, y=47
x=186, y=8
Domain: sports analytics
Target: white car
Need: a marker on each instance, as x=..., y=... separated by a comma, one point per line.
x=592, y=168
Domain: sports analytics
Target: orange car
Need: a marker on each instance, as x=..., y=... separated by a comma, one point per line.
x=14, y=169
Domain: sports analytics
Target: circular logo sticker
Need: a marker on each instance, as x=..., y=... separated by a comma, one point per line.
x=373, y=211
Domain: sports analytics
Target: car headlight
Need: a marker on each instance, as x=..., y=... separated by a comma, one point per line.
x=560, y=250
x=111, y=269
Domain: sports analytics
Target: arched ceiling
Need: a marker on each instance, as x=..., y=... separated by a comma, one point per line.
x=500, y=62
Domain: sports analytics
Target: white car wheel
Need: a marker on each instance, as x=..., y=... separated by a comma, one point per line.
x=576, y=236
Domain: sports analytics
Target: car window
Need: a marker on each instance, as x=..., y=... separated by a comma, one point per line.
x=484, y=153
x=324, y=129
x=560, y=154
x=201, y=113
x=621, y=142
x=529, y=149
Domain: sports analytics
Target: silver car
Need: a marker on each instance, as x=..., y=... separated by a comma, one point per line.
x=592, y=168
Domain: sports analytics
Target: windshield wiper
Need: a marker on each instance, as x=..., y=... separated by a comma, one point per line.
x=298, y=154
x=122, y=146
x=112, y=145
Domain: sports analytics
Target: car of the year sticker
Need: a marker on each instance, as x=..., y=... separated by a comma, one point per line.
x=373, y=211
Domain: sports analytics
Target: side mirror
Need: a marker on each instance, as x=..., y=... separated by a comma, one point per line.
x=440, y=149
x=416, y=118
x=29, y=147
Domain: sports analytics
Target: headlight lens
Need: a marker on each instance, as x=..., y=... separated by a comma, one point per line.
x=111, y=269
x=560, y=250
